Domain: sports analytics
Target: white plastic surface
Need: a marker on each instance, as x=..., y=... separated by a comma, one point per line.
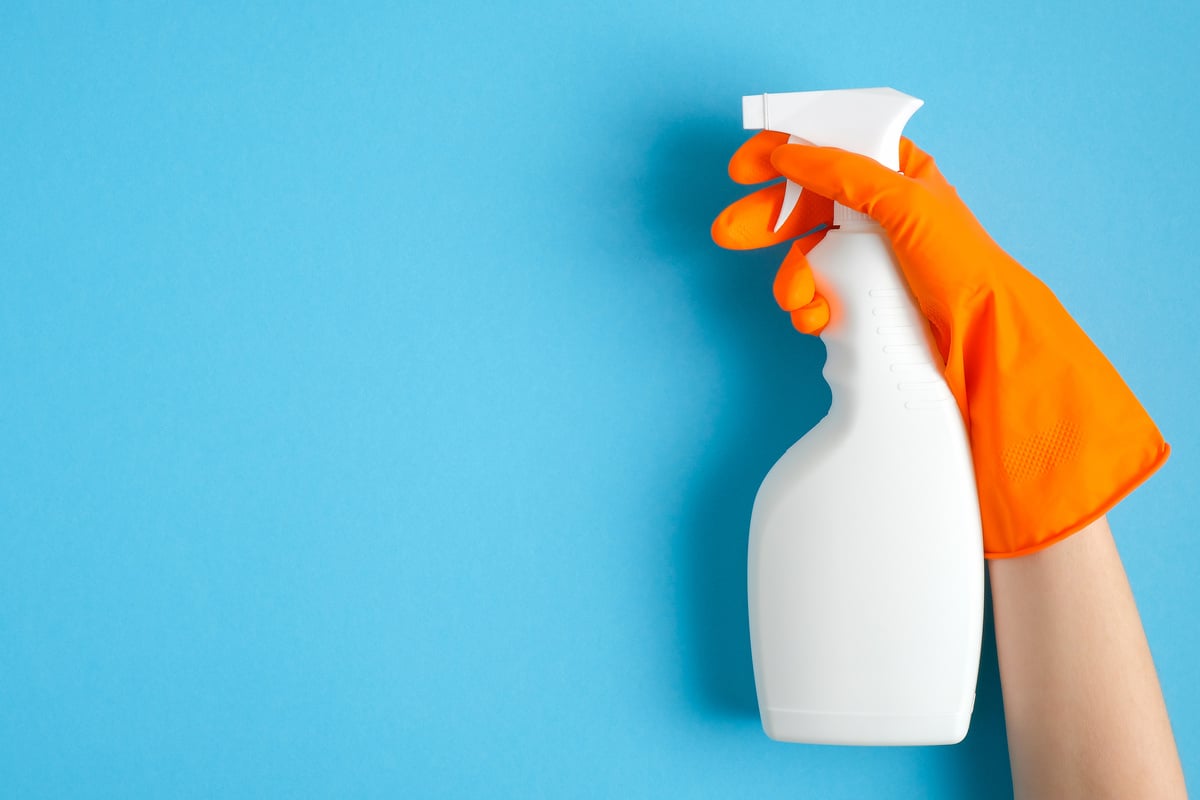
x=866, y=121
x=866, y=554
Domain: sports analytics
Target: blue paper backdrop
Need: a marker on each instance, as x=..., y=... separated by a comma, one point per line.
x=378, y=419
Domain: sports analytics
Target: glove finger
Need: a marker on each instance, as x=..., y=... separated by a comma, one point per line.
x=752, y=161
x=915, y=163
x=854, y=180
x=794, y=284
x=749, y=222
x=813, y=317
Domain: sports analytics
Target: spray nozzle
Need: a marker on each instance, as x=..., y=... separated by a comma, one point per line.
x=866, y=121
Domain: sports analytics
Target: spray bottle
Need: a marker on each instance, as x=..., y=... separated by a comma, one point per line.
x=866, y=559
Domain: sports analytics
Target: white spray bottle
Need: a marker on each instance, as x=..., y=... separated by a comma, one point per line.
x=866, y=557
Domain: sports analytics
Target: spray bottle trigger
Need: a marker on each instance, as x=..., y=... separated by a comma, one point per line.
x=791, y=193
x=791, y=196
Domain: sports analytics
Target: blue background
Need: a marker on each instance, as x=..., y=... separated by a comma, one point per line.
x=378, y=419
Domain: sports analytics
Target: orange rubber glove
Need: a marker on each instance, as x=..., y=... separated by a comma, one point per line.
x=1057, y=438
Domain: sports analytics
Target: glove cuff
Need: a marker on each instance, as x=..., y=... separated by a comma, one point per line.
x=1057, y=437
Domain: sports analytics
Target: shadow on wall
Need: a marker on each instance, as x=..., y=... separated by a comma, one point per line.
x=773, y=393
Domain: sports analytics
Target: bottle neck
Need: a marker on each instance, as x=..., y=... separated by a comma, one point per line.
x=844, y=216
x=880, y=354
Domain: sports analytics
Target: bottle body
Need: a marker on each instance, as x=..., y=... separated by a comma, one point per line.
x=866, y=562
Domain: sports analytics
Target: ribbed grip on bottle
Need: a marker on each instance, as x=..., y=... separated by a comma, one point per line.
x=843, y=215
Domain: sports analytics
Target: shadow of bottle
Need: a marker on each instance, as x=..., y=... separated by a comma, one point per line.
x=772, y=393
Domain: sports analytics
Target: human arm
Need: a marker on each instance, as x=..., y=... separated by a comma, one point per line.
x=1085, y=715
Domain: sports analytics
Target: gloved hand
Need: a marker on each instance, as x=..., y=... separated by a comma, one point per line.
x=1057, y=438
